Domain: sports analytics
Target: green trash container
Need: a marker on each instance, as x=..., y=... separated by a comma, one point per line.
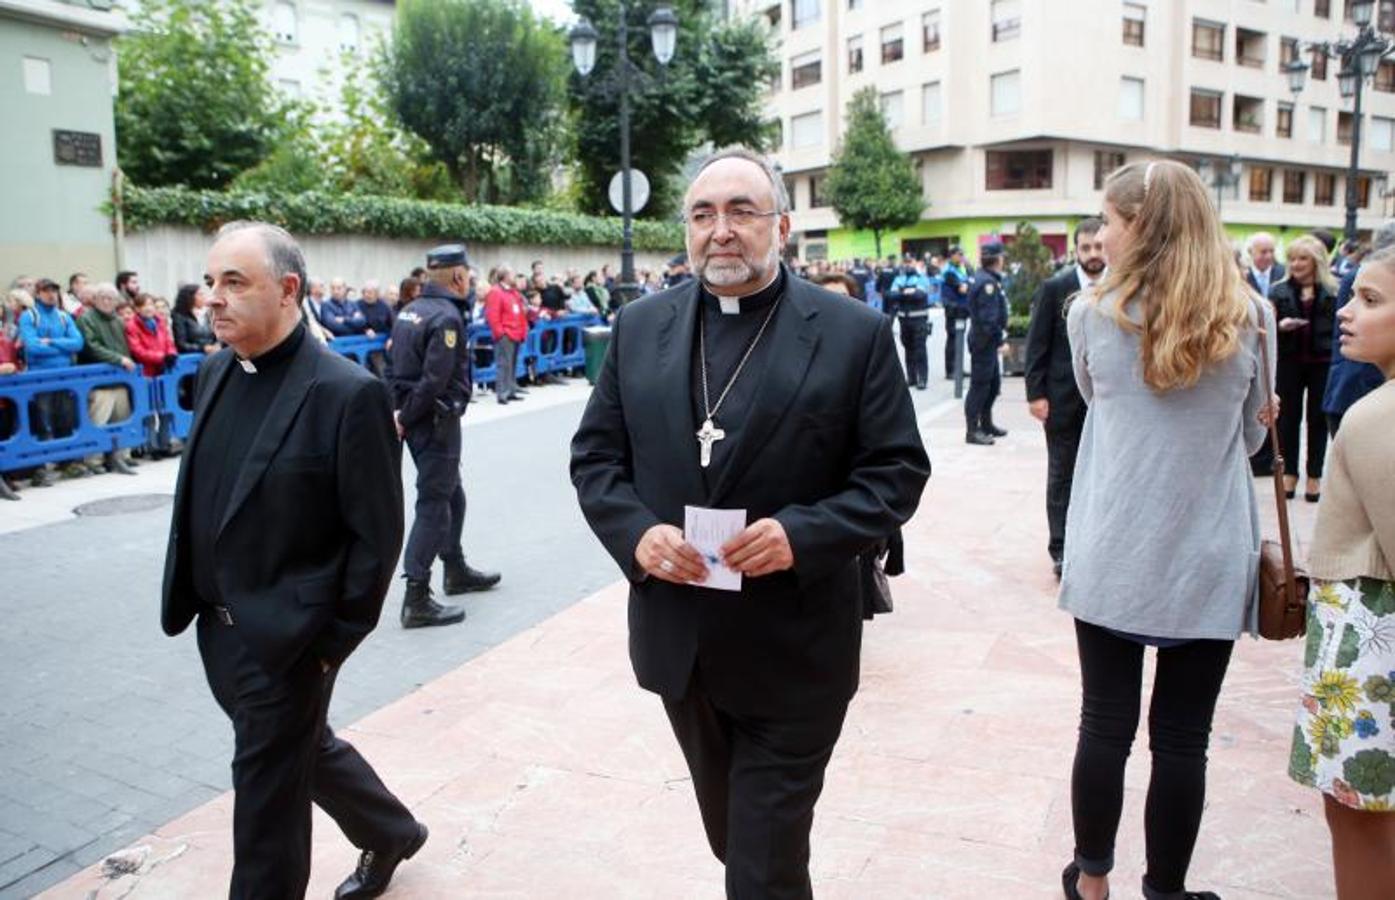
x=596, y=340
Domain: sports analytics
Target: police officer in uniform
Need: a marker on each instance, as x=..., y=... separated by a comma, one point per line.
x=954, y=295
x=912, y=290
x=987, y=309
x=430, y=377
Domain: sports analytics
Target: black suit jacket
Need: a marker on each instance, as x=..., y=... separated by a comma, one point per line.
x=313, y=527
x=1276, y=274
x=831, y=449
x=1321, y=319
x=1050, y=373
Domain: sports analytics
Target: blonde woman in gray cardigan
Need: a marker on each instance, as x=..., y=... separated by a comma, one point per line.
x=1163, y=522
x=1344, y=741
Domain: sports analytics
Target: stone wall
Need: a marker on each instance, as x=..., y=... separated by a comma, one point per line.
x=168, y=256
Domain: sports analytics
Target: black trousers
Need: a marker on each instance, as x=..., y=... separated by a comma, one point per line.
x=985, y=383
x=915, y=332
x=1301, y=386
x=287, y=756
x=1185, y=687
x=440, y=509
x=1062, y=446
x=756, y=780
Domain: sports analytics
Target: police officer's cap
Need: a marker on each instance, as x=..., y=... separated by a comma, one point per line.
x=988, y=251
x=447, y=256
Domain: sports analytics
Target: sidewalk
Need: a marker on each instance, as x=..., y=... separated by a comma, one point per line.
x=544, y=771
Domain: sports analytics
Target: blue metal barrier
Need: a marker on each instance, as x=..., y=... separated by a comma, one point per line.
x=24, y=449
x=171, y=394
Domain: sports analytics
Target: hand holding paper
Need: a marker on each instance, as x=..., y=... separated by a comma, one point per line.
x=707, y=530
x=761, y=549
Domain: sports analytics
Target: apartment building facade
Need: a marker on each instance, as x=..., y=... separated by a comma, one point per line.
x=1016, y=110
x=317, y=39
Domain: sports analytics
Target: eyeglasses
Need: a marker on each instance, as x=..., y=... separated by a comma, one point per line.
x=705, y=219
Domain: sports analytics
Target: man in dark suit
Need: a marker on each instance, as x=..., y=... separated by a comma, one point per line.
x=1264, y=271
x=807, y=426
x=287, y=524
x=1052, y=394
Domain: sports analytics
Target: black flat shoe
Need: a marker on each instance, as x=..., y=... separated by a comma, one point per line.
x=1312, y=498
x=1288, y=494
x=1070, y=880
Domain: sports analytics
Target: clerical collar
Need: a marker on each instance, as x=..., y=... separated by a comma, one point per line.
x=751, y=302
x=276, y=356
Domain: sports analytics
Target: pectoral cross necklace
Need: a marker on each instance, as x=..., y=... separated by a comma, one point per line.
x=709, y=433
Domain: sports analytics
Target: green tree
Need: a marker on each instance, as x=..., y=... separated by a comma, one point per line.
x=195, y=106
x=871, y=184
x=711, y=91
x=1029, y=263
x=482, y=82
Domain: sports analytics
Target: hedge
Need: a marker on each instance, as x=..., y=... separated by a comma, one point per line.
x=316, y=213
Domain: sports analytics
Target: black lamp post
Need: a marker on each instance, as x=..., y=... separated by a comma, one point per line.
x=1360, y=57
x=663, y=33
x=1223, y=176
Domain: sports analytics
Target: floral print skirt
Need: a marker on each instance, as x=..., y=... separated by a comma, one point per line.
x=1344, y=739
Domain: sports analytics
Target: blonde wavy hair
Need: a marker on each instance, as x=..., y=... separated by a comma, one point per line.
x=1178, y=269
x=1316, y=251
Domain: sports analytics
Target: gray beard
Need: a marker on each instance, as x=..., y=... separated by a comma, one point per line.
x=741, y=273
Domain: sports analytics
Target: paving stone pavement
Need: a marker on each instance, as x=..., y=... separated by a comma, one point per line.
x=544, y=771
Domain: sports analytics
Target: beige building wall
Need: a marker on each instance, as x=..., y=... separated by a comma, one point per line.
x=1071, y=60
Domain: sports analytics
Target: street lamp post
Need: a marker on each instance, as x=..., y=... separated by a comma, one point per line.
x=1360, y=57
x=1223, y=177
x=663, y=34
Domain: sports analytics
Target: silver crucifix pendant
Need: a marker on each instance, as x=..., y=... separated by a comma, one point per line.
x=708, y=435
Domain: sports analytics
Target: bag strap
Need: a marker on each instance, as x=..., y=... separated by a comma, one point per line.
x=1285, y=541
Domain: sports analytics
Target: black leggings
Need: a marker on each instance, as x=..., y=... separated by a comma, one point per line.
x=1185, y=687
x=1301, y=387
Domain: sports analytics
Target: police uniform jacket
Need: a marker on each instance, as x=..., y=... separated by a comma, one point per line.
x=987, y=311
x=913, y=288
x=955, y=292
x=429, y=364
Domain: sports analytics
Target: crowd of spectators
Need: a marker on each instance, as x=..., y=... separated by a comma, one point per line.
x=44, y=326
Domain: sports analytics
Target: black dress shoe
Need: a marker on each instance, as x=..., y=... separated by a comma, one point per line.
x=1056, y=569
x=420, y=609
x=7, y=492
x=503, y=400
x=375, y=870
x=994, y=431
x=979, y=438
x=461, y=579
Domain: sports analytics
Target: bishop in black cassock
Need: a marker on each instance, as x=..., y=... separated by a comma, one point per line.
x=813, y=434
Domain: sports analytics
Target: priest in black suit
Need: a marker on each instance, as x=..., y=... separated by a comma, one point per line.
x=747, y=388
x=286, y=529
x=1052, y=394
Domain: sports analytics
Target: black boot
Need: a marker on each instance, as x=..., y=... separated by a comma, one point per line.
x=461, y=579
x=375, y=868
x=992, y=430
x=420, y=609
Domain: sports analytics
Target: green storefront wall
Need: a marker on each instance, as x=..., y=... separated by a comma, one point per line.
x=846, y=244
